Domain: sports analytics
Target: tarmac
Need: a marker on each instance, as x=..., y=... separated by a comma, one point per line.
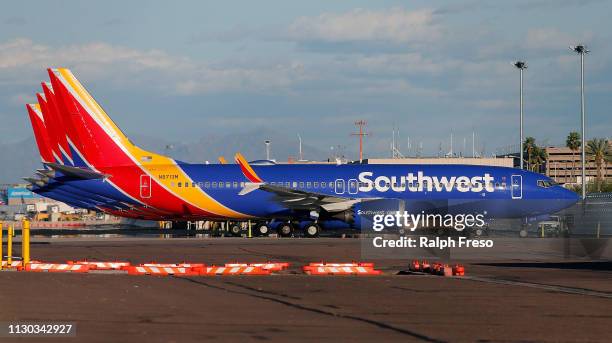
x=521, y=300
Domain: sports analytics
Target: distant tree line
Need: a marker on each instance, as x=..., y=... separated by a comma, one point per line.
x=536, y=156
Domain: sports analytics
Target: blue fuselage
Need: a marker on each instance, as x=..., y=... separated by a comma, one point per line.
x=498, y=192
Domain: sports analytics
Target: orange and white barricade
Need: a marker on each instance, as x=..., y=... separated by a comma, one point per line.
x=415, y=266
x=173, y=265
x=351, y=264
x=239, y=270
x=437, y=268
x=271, y=266
x=458, y=270
x=98, y=265
x=14, y=264
x=341, y=269
x=160, y=271
x=56, y=267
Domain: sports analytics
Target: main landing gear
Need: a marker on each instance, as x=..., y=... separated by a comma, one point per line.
x=285, y=229
x=262, y=230
x=312, y=230
x=235, y=229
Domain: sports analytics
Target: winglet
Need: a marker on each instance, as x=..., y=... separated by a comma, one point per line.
x=246, y=169
x=222, y=160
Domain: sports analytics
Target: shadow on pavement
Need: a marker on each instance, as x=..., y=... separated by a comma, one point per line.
x=595, y=265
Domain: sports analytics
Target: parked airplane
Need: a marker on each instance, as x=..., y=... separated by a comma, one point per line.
x=90, y=163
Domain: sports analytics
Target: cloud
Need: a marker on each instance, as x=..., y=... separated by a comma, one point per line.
x=395, y=25
x=207, y=79
x=526, y=5
x=536, y=42
x=23, y=62
x=552, y=39
x=406, y=63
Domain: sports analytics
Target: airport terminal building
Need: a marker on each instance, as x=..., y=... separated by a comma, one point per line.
x=564, y=166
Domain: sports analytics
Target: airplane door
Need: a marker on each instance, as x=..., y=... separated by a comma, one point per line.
x=145, y=186
x=352, y=186
x=339, y=186
x=516, y=186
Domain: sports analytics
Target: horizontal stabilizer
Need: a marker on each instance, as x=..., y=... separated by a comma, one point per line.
x=79, y=173
x=43, y=177
x=34, y=181
x=47, y=172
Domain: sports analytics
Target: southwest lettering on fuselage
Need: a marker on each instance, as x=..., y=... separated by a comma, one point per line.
x=421, y=182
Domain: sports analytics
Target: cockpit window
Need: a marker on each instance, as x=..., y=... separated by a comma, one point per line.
x=546, y=183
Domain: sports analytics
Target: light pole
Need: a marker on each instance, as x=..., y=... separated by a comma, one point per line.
x=521, y=65
x=581, y=50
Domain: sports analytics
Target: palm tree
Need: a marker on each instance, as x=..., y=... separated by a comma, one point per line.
x=573, y=143
x=538, y=157
x=599, y=148
x=528, y=147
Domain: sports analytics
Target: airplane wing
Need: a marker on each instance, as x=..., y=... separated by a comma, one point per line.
x=295, y=198
x=303, y=200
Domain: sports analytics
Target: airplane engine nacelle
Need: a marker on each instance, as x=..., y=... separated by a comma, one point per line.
x=363, y=213
x=347, y=216
x=350, y=217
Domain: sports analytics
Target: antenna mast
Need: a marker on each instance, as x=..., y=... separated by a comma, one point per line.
x=361, y=124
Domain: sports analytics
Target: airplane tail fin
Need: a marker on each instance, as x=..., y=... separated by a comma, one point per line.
x=95, y=138
x=40, y=133
x=59, y=126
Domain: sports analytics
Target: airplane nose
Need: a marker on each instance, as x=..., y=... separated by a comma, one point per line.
x=566, y=197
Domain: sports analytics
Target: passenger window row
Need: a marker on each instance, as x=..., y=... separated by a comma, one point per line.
x=312, y=184
x=234, y=184
x=207, y=184
x=303, y=184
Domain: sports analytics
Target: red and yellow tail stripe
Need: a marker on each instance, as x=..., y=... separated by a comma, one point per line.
x=246, y=168
x=115, y=150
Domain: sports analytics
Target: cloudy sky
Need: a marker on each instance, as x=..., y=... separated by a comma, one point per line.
x=183, y=70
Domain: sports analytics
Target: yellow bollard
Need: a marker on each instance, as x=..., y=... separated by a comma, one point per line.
x=25, y=243
x=1, y=245
x=9, y=246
